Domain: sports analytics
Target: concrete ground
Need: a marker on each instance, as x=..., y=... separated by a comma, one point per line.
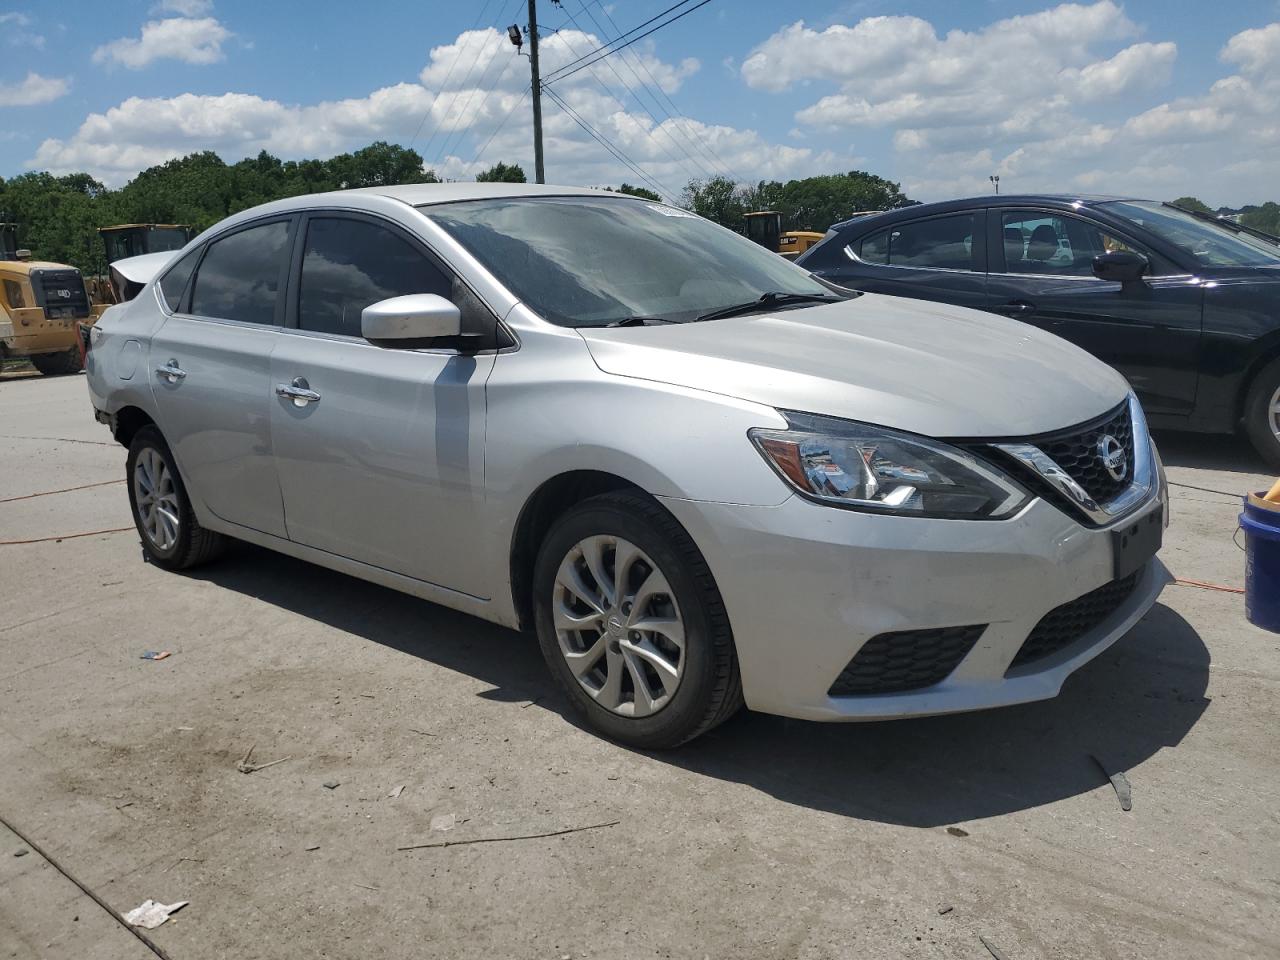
x=768, y=838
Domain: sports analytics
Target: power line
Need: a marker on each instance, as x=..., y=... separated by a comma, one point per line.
x=608, y=145
x=519, y=103
x=610, y=43
x=675, y=113
x=445, y=84
x=565, y=72
x=657, y=123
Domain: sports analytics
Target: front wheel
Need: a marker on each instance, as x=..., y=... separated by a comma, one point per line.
x=1262, y=413
x=632, y=625
x=57, y=364
x=171, y=537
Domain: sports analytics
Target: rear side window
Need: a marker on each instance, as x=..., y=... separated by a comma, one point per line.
x=349, y=264
x=174, y=283
x=940, y=243
x=239, y=278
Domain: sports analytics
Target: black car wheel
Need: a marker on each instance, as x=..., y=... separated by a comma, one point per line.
x=1262, y=413
x=171, y=536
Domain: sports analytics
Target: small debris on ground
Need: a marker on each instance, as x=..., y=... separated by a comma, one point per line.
x=992, y=948
x=395, y=793
x=1124, y=792
x=523, y=836
x=332, y=784
x=957, y=831
x=248, y=766
x=21, y=852
x=526, y=706
x=151, y=914
x=943, y=911
x=313, y=848
x=443, y=821
x=156, y=654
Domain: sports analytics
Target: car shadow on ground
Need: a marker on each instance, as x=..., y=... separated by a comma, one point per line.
x=1143, y=694
x=1203, y=451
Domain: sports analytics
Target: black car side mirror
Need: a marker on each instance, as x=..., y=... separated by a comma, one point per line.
x=1122, y=266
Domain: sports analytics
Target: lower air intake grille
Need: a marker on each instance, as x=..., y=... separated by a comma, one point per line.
x=1064, y=625
x=907, y=660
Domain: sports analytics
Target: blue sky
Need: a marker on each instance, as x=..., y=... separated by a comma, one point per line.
x=1153, y=98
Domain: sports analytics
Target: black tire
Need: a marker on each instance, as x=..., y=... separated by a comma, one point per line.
x=58, y=364
x=1258, y=416
x=710, y=688
x=194, y=544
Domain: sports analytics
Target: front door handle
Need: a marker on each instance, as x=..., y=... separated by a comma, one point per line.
x=299, y=392
x=171, y=372
x=1016, y=308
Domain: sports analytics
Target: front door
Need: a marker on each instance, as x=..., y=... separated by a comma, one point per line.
x=1042, y=273
x=209, y=365
x=386, y=464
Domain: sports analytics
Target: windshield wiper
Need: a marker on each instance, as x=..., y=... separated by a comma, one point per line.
x=774, y=298
x=634, y=322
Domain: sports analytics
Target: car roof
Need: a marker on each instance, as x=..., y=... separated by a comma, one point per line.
x=1059, y=200
x=419, y=194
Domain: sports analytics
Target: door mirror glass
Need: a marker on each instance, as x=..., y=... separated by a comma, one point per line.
x=418, y=316
x=1121, y=266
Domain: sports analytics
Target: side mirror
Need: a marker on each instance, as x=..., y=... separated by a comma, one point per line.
x=1123, y=266
x=418, y=316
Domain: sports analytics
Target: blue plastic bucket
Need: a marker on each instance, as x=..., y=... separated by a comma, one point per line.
x=1261, y=524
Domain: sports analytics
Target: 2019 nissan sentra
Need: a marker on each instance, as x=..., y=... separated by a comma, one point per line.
x=1186, y=306
x=702, y=476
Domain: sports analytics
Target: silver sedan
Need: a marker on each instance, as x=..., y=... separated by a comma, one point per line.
x=702, y=476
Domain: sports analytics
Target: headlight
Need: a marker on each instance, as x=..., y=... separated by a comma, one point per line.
x=883, y=471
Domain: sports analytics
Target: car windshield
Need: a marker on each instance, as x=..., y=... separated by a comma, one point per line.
x=1211, y=245
x=590, y=261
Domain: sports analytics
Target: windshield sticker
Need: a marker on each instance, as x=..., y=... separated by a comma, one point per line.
x=671, y=211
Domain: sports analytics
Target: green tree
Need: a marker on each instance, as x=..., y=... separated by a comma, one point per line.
x=1191, y=203
x=1265, y=218
x=636, y=192
x=718, y=199
x=380, y=164
x=502, y=173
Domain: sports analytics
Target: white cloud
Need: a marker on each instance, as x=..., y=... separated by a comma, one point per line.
x=15, y=18
x=177, y=38
x=34, y=90
x=471, y=92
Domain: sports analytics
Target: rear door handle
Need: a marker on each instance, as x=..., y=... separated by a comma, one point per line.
x=299, y=392
x=1016, y=308
x=171, y=372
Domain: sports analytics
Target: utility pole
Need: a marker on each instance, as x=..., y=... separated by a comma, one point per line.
x=539, y=175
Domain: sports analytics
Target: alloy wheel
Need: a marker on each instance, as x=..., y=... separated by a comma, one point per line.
x=618, y=625
x=1273, y=414
x=156, y=498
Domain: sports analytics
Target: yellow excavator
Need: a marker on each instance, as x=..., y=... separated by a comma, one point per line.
x=42, y=307
x=765, y=228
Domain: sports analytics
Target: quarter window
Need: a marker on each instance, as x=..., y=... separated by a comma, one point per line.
x=938, y=243
x=1052, y=245
x=349, y=264
x=174, y=283
x=239, y=278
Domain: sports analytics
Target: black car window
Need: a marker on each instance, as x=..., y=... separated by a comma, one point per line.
x=239, y=278
x=174, y=283
x=349, y=264
x=1049, y=244
x=937, y=243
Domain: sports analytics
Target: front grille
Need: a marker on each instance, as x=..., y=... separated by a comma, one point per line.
x=61, y=292
x=906, y=660
x=1064, y=625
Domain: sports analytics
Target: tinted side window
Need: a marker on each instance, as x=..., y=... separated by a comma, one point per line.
x=940, y=243
x=239, y=278
x=1041, y=243
x=173, y=283
x=349, y=264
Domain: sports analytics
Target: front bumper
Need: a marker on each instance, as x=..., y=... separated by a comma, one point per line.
x=806, y=585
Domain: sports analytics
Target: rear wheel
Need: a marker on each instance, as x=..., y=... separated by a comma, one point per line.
x=57, y=364
x=171, y=537
x=1262, y=413
x=631, y=623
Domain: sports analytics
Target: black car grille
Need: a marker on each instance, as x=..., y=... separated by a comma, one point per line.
x=1077, y=453
x=1064, y=625
x=907, y=660
x=61, y=292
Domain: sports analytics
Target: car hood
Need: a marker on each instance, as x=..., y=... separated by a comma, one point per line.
x=923, y=367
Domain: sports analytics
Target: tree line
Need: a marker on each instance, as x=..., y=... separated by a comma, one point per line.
x=1264, y=217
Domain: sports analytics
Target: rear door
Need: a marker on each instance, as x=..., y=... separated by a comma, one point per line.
x=1042, y=273
x=386, y=465
x=209, y=365
x=937, y=258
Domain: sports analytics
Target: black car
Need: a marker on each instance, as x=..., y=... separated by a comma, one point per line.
x=1184, y=305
